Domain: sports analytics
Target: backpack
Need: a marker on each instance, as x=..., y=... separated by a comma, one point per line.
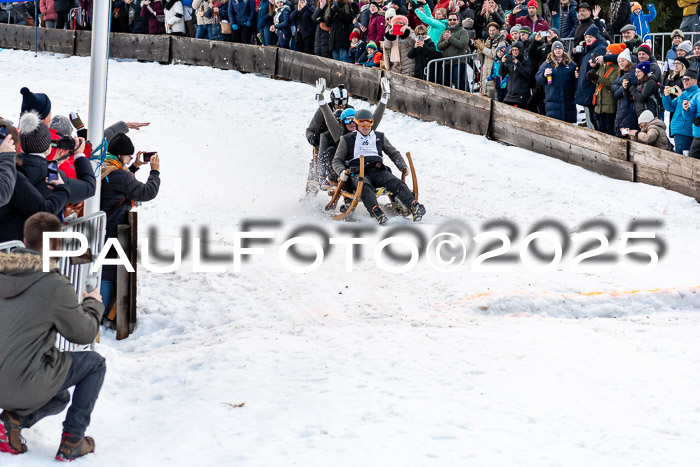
x=78, y=19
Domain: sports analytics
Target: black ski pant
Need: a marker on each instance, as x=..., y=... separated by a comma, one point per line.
x=87, y=372
x=379, y=178
x=695, y=149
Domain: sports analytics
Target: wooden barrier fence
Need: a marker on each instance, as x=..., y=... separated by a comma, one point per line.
x=592, y=150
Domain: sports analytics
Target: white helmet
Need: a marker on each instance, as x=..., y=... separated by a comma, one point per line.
x=339, y=96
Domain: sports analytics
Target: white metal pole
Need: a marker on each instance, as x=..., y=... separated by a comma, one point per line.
x=98, y=87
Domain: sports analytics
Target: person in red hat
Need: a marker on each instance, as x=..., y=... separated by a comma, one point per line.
x=534, y=21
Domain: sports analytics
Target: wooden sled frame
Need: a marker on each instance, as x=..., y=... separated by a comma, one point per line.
x=355, y=196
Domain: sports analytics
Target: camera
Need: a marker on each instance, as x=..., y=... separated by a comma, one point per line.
x=147, y=156
x=509, y=58
x=3, y=132
x=66, y=142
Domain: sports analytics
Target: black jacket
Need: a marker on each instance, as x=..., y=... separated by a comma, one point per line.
x=119, y=189
x=519, y=78
x=340, y=21
x=27, y=200
x=423, y=55
x=81, y=188
x=303, y=20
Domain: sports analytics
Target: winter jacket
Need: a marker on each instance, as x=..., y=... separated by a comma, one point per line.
x=152, y=12
x=603, y=98
x=283, y=27
x=363, y=18
x=344, y=155
x=174, y=17
x=422, y=55
x=28, y=198
x=654, y=134
x=435, y=26
x=626, y=116
x=48, y=9
x=519, y=78
x=619, y=15
x=264, y=18
x=119, y=189
x=355, y=53
x=340, y=19
x=559, y=96
x=568, y=20
x=63, y=6
x=303, y=20
x=140, y=24
x=645, y=96
x=641, y=22
x=373, y=60
x=405, y=43
x=585, y=89
x=201, y=7
x=458, y=44
x=539, y=24
x=8, y=176
x=633, y=46
x=322, y=40
x=376, y=28
x=486, y=57
x=682, y=121
x=480, y=22
x=34, y=306
x=241, y=11
x=694, y=112
x=583, y=27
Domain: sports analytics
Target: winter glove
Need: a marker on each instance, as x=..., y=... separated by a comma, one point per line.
x=344, y=175
x=320, y=89
x=76, y=121
x=592, y=76
x=313, y=139
x=246, y=24
x=696, y=121
x=234, y=27
x=386, y=90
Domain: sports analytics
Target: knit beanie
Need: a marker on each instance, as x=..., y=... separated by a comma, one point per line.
x=355, y=34
x=533, y=3
x=685, y=46
x=37, y=102
x=34, y=135
x=592, y=31
x=61, y=125
x=557, y=45
x=691, y=73
x=372, y=44
x=389, y=13
x=399, y=19
x=644, y=48
x=121, y=145
x=554, y=31
x=626, y=55
x=525, y=29
x=684, y=61
x=514, y=30
x=645, y=117
x=616, y=49
x=645, y=67
x=677, y=32
x=634, y=6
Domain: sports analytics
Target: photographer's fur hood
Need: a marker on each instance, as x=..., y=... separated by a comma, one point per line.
x=19, y=271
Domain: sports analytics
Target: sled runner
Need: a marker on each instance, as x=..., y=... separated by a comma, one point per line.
x=335, y=191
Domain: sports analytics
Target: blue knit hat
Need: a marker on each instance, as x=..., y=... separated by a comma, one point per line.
x=645, y=67
x=373, y=45
x=593, y=31
x=38, y=102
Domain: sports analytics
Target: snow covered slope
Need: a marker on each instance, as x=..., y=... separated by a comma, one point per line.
x=428, y=367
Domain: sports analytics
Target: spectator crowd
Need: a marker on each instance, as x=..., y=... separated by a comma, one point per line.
x=558, y=58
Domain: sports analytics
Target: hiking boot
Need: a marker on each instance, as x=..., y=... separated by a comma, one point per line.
x=10, y=438
x=418, y=211
x=344, y=207
x=73, y=447
x=379, y=215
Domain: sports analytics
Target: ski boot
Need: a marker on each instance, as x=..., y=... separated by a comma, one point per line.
x=10, y=438
x=418, y=211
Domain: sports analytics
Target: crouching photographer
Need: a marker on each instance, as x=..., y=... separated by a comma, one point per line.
x=34, y=374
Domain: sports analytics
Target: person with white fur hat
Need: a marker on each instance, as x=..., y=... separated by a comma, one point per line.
x=653, y=131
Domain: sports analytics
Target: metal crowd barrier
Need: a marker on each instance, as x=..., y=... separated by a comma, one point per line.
x=457, y=72
x=94, y=228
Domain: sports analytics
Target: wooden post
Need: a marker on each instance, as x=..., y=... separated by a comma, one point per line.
x=133, y=255
x=122, y=289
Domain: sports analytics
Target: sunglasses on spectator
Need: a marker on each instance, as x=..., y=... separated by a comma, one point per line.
x=364, y=122
x=686, y=78
x=453, y=19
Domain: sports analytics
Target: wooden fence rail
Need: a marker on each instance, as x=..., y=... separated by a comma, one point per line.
x=595, y=151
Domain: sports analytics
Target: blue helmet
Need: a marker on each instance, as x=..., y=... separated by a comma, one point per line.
x=348, y=116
